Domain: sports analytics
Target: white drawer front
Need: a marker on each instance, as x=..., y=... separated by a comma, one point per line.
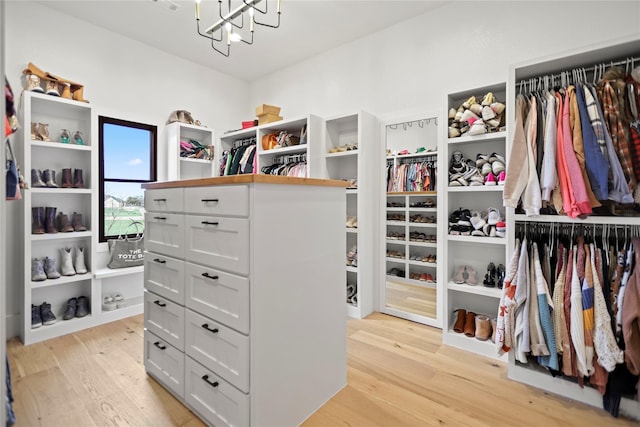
x=164, y=362
x=219, y=348
x=164, y=276
x=164, y=200
x=164, y=234
x=217, y=401
x=217, y=241
x=164, y=318
x=217, y=200
x=220, y=296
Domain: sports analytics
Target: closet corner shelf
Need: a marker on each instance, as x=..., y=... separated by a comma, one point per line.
x=423, y=264
x=61, y=236
x=475, y=138
x=60, y=145
x=59, y=190
x=413, y=209
x=61, y=280
x=613, y=220
x=276, y=151
x=398, y=223
x=352, y=269
x=476, y=189
x=477, y=239
x=478, y=289
x=422, y=244
x=412, y=193
x=189, y=159
x=422, y=224
x=342, y=154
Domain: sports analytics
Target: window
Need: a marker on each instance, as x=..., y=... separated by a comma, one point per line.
x=127, y=159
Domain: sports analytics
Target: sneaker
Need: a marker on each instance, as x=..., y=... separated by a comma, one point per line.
x=477, y=221
x=465, y=218
x=490, y=180
x=36, y=320
x=50, y=268
x=82, y=306
x=37, y=270
x=502, y=177
x=47, y=316
x=70, y=312
x=494, y=216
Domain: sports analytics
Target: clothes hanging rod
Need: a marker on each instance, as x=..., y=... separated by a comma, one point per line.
x=588, y=69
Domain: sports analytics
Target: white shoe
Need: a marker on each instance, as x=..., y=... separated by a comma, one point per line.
x=66, y=264
x=79, y=265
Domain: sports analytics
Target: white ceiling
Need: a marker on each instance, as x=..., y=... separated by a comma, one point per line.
x=308, y=27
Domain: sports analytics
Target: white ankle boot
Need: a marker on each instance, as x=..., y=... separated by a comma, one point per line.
x=66, y=263
x=79, y=261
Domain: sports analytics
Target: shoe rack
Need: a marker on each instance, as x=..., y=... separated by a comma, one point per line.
x=586, y=57
x=309, y=152
x=411, y=284
x=179, y=165
x=350, y=144
x=466, y=250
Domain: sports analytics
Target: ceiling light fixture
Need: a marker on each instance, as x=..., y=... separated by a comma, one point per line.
x=230, y=27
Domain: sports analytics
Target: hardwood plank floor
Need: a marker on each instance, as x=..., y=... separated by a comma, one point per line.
x=399, y=374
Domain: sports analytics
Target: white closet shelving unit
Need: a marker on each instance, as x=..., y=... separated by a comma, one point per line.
x=311, y=151
x=179, y=167
x=362, y=129
x=474, y=251
x=586, y=57
x=417, y=299
x=60, y=114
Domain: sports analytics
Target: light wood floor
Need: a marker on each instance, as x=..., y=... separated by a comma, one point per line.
x=399, y=374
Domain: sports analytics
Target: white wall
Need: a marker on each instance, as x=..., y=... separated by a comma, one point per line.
x=410, y=67
x=123, y=79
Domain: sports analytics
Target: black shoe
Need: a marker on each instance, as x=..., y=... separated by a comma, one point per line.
x=490, y=278
x=70, y=312
x=36, y=320
x=500, y=273
x=82, y=306
x=45, y=313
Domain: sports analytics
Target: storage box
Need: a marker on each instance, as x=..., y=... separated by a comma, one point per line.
x=267, y=109
x=249, y=124
x=268, y=118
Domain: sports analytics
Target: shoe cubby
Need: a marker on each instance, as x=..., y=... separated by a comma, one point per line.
x=348, y=151
x=470, y=187
x=182, y=163
x=62, y=154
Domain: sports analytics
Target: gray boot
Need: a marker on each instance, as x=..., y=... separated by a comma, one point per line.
x=37, y=270
x=49, y=177
x=66, y=263
x=50, y=268
x=36, y=178
x=79, y=261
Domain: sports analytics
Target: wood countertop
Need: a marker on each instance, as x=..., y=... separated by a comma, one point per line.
x=247, y=179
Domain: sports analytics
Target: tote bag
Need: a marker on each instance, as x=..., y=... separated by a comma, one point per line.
x=126, y=251
x=13, y=180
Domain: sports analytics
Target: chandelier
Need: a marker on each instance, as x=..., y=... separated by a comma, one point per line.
x=231, y=26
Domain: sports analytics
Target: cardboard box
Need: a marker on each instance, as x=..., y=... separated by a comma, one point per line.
x=267, y=109
x=268, y=118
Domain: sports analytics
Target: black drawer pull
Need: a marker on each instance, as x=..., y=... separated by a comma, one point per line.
x=209, y=277
x=159, y=200
x=214, y=330
x=212, y=384
x=209, y=223
x=161, y=347
x=161, y=304
x=160, y=261
x=209, y=200
x=161, y=218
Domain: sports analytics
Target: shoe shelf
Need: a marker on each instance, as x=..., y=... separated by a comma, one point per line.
x=411, y=193
x=60, y=145
x=476, y=252
x=477, y=239
x=47, y=190
x=179, y=167
x=414, y=282
x=341, y=132
x=60, y=235
x=478, y=289
x=61, y=280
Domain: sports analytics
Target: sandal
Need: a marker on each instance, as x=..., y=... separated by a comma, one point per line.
x=108, y=304
x=118, y=299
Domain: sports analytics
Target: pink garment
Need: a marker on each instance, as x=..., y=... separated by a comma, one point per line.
x=563, y=174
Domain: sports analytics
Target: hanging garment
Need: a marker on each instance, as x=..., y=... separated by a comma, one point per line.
x=631, y=316
x=559, y=323
x=545, y=304
x=587, y=310
x=538, y=343
x=549, y=174
x=577, y=321
x=522, y=344
x=516, y=179
x=531, y=199
x=505, y=321
x=623, y=287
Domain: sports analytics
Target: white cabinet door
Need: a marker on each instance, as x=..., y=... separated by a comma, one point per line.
x=164, y=362
x=221, y=296
x=164, y=276
x=219, y=242
x=164, y=318
x=217, y=401
x=217, y=200
x=164, y=200
x=164, y=233
x=221, y=349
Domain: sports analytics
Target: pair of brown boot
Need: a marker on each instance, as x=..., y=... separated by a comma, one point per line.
x=474, y=325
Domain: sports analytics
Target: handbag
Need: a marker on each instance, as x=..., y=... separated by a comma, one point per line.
x=127, y=251
x=13, y=180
